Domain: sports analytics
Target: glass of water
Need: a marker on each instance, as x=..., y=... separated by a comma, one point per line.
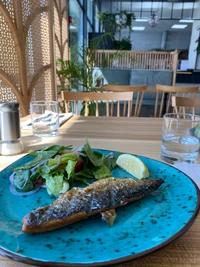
x=180, y=143
x=45, y=118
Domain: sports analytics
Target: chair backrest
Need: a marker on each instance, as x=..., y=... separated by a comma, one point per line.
x=138, y=94
x=166, y=92
x=92, y=99
x=185, y=104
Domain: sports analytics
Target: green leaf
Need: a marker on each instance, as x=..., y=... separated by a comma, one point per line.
x=69, y=156
x=70, y=169
x=85, y=174
x=101, y=172
x=22, y=180
x=95, y=158
x=53, y=163
x=41, y=155
x=44, y=171
x=110, y=162
x=56, y=184
x=34, y=174
x=65, y=187
x=81, y=179
x=196, y=131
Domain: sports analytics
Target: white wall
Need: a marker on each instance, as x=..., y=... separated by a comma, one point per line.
x=149, y=40
x=193, y=45
x=197, y=9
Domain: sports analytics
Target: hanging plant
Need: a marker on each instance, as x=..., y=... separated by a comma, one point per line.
x=113, y=21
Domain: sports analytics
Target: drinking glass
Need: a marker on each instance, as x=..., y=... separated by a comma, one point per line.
x=45, y=118
x=179, y=139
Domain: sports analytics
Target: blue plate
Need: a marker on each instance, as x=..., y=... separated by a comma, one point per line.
x=139, y=229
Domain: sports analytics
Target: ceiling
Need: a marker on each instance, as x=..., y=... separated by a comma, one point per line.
x=169, y=12
x=164, y=25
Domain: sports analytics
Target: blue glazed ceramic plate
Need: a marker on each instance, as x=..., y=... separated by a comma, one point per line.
x=140, y=227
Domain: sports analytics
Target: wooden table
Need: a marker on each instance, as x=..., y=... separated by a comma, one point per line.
x=134, y=135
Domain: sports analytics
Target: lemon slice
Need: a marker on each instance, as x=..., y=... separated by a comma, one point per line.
x=133, y=165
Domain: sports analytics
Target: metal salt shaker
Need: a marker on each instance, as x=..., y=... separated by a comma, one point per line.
x=10, y=132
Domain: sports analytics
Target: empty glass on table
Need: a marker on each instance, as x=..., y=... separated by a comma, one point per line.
x=45, y=118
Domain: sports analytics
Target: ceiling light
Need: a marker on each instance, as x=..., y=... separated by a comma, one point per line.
x=186, y=20
x=72, y=28
x=179, y=26
x=153, y=20
x=138, y=28
x=141, y=20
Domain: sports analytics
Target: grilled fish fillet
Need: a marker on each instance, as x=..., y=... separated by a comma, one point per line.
x=102, y=196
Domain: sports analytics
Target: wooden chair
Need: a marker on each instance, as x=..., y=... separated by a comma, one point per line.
x=94, y=98
x=167, y=92
x=185, y=104
x=138, y=94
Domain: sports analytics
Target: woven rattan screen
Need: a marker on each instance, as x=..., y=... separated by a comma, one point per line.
x=27, y=56
x=61, y=32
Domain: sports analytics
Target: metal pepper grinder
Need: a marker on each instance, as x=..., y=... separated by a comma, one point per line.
x=10, y=133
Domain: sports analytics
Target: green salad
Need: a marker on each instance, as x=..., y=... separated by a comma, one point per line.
x=196, y=131
x=57, y=168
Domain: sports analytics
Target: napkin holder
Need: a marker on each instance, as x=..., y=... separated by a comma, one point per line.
x=10, y=133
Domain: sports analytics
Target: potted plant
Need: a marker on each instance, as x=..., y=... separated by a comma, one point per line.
x=123, y=44
x=112, y=22
x=79, y=74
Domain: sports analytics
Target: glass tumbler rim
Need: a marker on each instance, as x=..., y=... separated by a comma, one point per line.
x=43, y=102
x=184, y=116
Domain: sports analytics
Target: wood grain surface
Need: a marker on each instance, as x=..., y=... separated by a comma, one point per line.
x=134, y=135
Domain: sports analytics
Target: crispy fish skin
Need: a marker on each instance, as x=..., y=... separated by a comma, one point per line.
x=81, y=203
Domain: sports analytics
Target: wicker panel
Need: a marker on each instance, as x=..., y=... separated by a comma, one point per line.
x=43, y=83
x=9, y=6
x=45, y=38
x=61, y=31
x=57, y=32
x=26, y=54
x=38, y=52
x=26, y=10
x=8, y=60
x=8, y=55
x=37, y=48
x=35, y=33
x=6, y=94
x=65, y=36
x=29, y=6
x=29, y=56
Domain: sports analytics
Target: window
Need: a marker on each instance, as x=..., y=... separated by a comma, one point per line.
x=75, y=28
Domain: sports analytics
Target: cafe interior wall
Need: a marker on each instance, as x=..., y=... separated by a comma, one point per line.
x=152, y=40
x=169, y=12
